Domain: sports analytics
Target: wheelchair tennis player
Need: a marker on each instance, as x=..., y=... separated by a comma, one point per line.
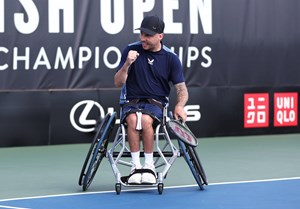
x=147, y=69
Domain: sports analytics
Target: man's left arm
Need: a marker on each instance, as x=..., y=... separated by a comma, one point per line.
x=182, y=98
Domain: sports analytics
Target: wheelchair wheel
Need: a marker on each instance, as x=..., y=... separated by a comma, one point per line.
x=160, y=188
x=97, y=151
x=193, y=161
x=118, y=188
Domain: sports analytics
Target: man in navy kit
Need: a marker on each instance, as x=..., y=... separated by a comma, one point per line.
x=146, y=68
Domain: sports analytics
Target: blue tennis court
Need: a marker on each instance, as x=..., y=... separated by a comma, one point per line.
x=275, y=194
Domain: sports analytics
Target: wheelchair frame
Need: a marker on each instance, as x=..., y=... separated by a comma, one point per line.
x=116, y=154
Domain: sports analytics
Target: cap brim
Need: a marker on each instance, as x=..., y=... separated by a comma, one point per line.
x=147, y=31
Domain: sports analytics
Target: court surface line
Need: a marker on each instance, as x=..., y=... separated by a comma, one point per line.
x=10, y=207
x=140, y=189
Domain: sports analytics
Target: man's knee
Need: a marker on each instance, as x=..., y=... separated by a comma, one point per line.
x=131, y=120
x=147, y=121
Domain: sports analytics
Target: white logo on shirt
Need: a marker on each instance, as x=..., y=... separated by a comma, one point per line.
x=150, y=62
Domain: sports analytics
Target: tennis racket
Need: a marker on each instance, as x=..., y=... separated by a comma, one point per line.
x=182, y=131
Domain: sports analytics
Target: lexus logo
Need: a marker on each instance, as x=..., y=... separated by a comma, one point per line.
x=83, y=121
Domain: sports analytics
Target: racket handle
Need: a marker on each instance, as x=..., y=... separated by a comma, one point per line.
x=180, y=120
x=170, y=114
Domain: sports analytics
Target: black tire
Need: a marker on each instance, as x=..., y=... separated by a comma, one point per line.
x=160, y=188
x=118, y=188
x=193, y=161
x=97, y=151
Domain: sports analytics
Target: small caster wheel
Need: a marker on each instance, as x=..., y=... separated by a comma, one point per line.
x=118, y=188
x=160, y=188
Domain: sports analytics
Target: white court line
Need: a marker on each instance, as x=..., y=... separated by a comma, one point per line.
x=143, y=189
x=3, y=206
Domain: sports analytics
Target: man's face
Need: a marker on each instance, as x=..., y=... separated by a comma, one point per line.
x=151, y=43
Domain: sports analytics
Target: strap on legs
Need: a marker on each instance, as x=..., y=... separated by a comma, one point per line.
x=139, y=121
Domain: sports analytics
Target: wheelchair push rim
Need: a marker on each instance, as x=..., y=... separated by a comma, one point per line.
x=97, y=151
x=181, y=130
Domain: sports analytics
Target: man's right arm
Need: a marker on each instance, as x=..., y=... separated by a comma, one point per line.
x=121, y=76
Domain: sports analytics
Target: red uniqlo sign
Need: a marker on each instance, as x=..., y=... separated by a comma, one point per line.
x=286, y=109
x=256, y=110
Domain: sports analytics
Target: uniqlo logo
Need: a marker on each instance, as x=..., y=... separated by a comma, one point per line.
x=256, y=110
x=286, y=109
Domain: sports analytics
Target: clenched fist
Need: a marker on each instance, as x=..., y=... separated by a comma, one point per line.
x=132, y=56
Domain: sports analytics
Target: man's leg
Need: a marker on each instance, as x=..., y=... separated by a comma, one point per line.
x=134, y=144
x=148, y=142
x=133, y=134
x=147, y=133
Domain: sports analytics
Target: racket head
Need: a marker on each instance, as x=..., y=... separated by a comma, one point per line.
x=182, y=132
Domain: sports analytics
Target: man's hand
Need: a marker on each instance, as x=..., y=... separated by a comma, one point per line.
x=131, y=57
x=179, y=112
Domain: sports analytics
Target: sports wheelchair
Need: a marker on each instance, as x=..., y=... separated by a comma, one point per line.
x=165, y=152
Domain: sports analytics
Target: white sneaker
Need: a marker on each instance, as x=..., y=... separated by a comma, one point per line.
x=149, y=177
x=135, y=178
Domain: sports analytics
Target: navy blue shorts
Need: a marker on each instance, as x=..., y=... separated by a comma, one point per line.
x=148, y=108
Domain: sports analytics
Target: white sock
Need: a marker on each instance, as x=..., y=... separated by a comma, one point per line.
x=149, y=158
x=135, y=156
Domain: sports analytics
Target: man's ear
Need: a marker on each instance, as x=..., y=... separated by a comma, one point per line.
x=161, y=36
